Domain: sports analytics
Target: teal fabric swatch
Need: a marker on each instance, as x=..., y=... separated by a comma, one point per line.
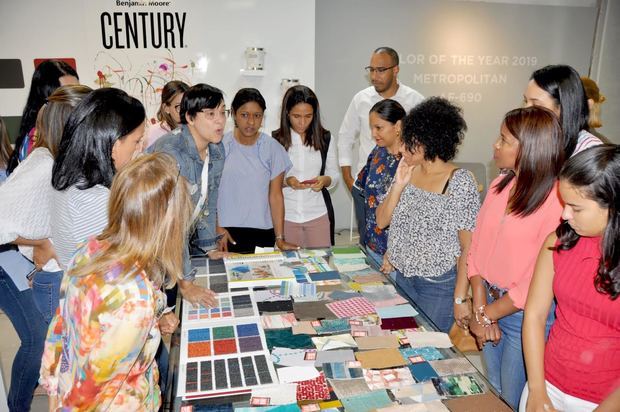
x=366, y=402
x=429, y=353
x=284, y=338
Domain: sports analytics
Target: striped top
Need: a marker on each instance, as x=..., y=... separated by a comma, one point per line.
x=582, y=355
x=77, y=215
x=585, y=140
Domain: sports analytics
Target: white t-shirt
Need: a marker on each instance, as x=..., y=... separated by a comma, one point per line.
x=355, y=123
x=304, y=205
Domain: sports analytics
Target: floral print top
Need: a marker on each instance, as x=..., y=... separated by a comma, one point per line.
x=101, y=344
x=375, y=180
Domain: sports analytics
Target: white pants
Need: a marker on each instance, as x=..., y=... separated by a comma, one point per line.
x=561, y=401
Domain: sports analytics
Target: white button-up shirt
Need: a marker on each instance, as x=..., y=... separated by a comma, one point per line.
x=304, y=205
x=355, y=123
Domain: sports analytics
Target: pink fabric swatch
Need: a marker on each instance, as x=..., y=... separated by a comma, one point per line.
x=348, y=308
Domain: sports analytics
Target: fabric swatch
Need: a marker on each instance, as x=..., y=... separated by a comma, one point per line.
x=399, y=323
x=366, y=402
x=293, y=357
x=436, y=339
x=348, y=387
x=481, y=403
x=432, y=406
x=380, y=358
x=398, y=311
x=278, y=321
x=358, y=306
x=418, y=392
x=281, y=394
x=342, y=295
x=377, y=342
x=463, y=385
x=421, y=370
x=303, y=327
x=269, y=295
x=312, y=310
x=289, y=374
x=388, y=378
x=377, y=277
x=340, y=355
x=292, y=288
x=368, y=330
x=429, y=353
x=330, y=326
x=455, y=366
x=323, y=343
x=343, y=370
x=313, y=389
x=275, y=306
x=284, y=338
x=322, y=276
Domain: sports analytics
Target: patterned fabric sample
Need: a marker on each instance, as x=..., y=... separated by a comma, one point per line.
x=284, y=338
x=313, y=389
x=367, y=402
x=348, y=387
x=280, y=321
x=429, y=353
x=388, y=378
x=329, y=326
x=343, y=370
x=359, y=306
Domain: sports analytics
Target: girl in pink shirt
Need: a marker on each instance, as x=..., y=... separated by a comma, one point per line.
x=521, y=208
x=168, y=115
x=578, y=369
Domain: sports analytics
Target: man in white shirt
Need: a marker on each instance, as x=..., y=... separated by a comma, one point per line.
x=383, y=74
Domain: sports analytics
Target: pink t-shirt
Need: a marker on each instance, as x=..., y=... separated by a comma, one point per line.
x=504, y=247
x=155, y=132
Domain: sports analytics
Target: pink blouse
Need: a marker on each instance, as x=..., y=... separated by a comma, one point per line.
x=156, y=131
x=504, y=248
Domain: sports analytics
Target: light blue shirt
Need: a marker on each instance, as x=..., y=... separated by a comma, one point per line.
x=244, y=189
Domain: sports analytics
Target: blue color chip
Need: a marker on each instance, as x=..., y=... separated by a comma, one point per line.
x=247, y=330
x=199, y=335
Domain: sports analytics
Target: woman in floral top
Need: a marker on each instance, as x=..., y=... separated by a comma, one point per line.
x=376, y=177
x=100, y=349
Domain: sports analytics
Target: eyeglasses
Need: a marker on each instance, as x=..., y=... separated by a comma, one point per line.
x=212, y=114
x=246, y=115
x=177, y=108
x=379, y=70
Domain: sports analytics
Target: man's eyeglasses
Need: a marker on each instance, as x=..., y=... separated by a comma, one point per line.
x=212, y=114
x=379, y=70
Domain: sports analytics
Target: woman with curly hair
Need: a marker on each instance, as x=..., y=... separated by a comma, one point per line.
x=431, y=209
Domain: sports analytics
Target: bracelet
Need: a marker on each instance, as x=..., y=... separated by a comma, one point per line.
x=480, y=314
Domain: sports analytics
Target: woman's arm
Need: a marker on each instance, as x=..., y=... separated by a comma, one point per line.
x=610, y=403
x=42, y=250
x=462, y=311
x=276, y=204
x=386, y=208
x=536, y=311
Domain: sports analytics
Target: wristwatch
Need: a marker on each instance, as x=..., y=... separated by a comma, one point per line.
x=460, y=301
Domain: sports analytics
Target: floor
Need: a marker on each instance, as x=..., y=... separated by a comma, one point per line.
x=10, y=342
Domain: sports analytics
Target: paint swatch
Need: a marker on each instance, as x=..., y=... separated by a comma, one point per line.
x=223, y=340
x=227, y=306
x=216, y=375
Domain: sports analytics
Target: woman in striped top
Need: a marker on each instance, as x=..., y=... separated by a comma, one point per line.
x=559, y=89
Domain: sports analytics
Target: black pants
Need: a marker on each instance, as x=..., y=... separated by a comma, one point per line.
x=247, y=238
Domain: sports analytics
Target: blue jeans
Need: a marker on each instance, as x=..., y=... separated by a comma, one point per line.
x=505, y=362
x=46, y=293
x=31, y=329
x=435, y=296
x=359, y=204
x=375, y=261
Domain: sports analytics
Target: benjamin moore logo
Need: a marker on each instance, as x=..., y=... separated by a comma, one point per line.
x=142, y=29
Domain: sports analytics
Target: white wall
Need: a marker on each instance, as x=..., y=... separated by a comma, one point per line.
x=216, y=36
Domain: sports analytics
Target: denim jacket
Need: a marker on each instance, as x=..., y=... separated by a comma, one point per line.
x=180, y=144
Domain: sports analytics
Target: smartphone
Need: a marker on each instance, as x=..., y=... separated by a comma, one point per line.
x=309, y=182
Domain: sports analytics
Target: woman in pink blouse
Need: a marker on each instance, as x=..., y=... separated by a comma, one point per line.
x=168, y=115
x=100, y=348
x=521, y=208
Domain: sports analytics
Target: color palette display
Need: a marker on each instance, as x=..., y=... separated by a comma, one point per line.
x=228, y=306
x=224, y=340
x=233, y=374
x=217, y=283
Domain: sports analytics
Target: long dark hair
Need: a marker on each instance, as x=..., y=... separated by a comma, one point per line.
x=563, y=83
x=539, y=159
x=168, y=93
x=595, y=172
x=97, y=122
x=315, y=133
x=45, y=79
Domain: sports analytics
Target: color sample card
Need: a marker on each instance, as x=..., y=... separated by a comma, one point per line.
x=224, y=340
x=421, y=370
x=228, y=375
x=235, y=305
x=343, y=370
x=388, y=378
x=217, y=283
x=429, y=353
